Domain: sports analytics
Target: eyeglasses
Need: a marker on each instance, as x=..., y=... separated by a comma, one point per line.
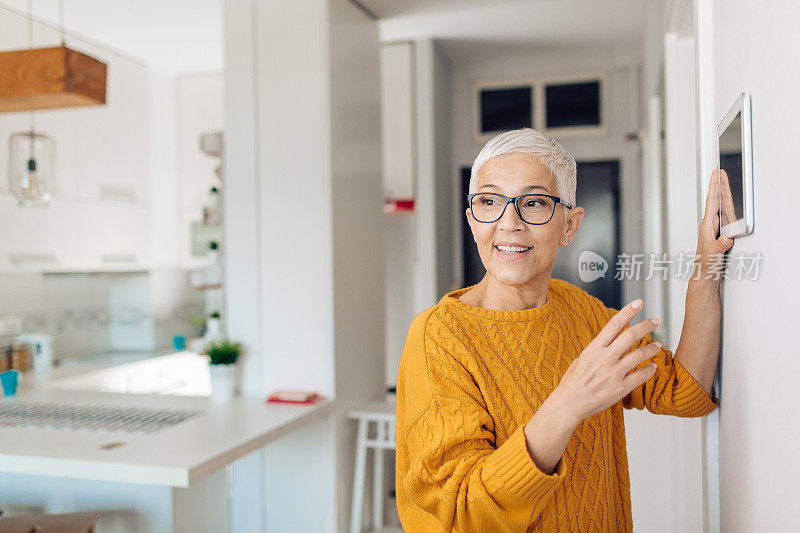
x=532, y=208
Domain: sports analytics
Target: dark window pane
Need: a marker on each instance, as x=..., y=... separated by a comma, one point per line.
x=573, y=104
x=506, y=109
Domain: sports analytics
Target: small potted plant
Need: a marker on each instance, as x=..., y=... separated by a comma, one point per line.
x=213, y=327
x=222, y=358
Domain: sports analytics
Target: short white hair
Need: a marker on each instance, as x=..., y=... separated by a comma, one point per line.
x=543, y=147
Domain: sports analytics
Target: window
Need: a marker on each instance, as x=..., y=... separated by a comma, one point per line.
x=572, y=104
x=563, y=106
x=506, y=108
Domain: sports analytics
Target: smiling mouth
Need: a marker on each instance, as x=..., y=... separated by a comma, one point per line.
x=513, y=250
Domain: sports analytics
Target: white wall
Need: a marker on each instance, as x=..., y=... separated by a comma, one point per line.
x=420, y=264
x=747, y=436
x=433, y=234
x=445, y=193
x=303, y=228
x=753, y=47
x=356, y=195
x=358, y=222
x=164, y=167
x=398, y=139
x=425, y=248
x=242, y=276
x=400, y=308
x=294, y=156
x=682, y=192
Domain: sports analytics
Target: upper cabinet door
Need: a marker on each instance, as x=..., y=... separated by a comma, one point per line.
x=112, y=142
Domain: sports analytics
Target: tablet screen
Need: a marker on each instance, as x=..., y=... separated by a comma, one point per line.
x=730, y=160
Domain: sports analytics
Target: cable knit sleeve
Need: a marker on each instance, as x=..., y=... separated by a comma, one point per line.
x=453, y=468
x=672, y=390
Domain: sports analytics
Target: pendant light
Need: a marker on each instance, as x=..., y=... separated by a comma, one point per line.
x=31, y=172
x=54, y=77
x=32, y=168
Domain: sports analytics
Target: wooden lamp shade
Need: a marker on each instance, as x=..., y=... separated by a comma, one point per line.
x=50, y=78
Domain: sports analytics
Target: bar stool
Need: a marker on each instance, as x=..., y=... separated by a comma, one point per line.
x=382, y=415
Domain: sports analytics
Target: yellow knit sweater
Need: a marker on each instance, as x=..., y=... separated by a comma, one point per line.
x=469, y=381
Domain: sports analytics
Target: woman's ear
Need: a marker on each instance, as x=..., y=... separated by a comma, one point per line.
x=471, y=222
x=571, y=225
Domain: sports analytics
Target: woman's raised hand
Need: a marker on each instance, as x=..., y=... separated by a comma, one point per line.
x=710, y=248
x=599, y=377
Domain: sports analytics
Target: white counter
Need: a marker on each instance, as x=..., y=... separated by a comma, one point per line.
x=177, y=456
x=176, y=373
x=179, y=479
x=85, y=365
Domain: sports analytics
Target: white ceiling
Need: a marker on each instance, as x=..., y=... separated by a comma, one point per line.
x=182, y=36
x=393, y=8
x=177, y=36
x=486, y=27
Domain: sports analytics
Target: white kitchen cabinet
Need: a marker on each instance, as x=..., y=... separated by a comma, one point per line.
x=37, y=239
x=111, y=141
x=114, y=236
x=73, y=236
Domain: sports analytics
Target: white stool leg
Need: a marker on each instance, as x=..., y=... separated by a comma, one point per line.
x=377, y=485
x=358, y=479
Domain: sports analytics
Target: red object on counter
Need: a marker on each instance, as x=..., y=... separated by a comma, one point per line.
x=295, y=397
x=398, y=205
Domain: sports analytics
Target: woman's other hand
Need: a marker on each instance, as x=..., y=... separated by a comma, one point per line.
x=603, y=374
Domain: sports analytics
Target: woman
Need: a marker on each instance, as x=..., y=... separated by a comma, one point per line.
x=510, y=393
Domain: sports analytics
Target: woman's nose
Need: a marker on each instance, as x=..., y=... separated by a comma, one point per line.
x=510, y=220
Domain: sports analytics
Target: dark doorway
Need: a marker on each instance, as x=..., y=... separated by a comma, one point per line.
x=598, y=194
x=473, y=266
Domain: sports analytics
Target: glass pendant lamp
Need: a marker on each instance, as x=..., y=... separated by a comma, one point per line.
x=31, y=170
x=31, y=155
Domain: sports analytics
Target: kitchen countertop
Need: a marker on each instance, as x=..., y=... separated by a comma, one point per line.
x=176, y=456
x=82, y=364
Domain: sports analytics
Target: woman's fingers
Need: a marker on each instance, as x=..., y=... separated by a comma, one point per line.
x=596, y=377
x=712, y=198
x=726, y=197
x=632, y=335
x=639, y=355
x=618, y=323
x=636, y=378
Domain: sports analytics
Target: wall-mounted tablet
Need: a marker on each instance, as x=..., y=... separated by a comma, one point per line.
x=735, y=144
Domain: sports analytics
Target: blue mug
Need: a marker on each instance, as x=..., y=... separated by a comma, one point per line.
x=9, y=379
x=179, y=343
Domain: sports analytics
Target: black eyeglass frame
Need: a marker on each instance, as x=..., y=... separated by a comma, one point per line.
x=515, y=200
